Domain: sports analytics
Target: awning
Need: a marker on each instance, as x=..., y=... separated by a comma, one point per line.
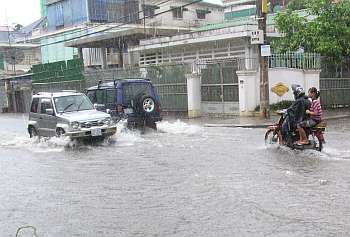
x=179, y=7
x=202, y=11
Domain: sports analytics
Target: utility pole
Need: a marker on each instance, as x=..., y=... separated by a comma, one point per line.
x=261, y=6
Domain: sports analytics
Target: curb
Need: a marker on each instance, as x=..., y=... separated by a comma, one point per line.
x=265, y=125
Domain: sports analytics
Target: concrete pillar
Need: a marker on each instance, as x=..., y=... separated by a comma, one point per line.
x=248, y=92
x=194, y=97
x=80, y=53
x=104, y=58
x=311, y=79
x=9, y=95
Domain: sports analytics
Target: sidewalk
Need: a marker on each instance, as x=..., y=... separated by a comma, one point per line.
x=256, y=122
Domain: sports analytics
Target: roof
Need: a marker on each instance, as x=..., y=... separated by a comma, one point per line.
x=27, y=76
x=96, y=39
x=31, y=27
x=214, y=2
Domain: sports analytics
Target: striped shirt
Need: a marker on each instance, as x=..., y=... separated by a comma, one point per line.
x=317, y=109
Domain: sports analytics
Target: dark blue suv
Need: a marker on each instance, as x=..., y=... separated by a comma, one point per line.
x=133, y=99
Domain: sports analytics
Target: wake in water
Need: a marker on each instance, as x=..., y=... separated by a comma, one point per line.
x=53, y=144
x=178, y=127
x=123, y=137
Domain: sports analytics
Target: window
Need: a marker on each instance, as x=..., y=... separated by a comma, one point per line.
x=101, y=97
x=34, y=106
x=133, y=90
x=92, y=96
x=111, y=96
x=72, y=103
x=177, y=13
x=149, y=10
x=59, y=15
x=201, y=14
x=45, y=104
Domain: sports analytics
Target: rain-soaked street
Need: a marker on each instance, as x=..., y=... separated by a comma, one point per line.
x=184, y=180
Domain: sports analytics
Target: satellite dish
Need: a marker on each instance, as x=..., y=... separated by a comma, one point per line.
x=13, y=55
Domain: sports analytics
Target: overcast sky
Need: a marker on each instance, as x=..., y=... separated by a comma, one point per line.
x=23, y=12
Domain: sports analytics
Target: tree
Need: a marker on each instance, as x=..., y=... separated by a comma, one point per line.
x=297, y=4
x=18, y=27
x=325, y=29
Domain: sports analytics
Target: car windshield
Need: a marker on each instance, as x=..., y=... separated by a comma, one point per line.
x=72, y=103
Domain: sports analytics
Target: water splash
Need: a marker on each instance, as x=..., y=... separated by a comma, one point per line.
x=37, y=145
x=178, y=127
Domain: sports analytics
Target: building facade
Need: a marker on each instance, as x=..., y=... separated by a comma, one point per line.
x=88, y=20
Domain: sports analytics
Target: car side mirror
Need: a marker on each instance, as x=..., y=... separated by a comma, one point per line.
x=49, y=111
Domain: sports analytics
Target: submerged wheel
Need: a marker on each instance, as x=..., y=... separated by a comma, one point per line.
x=271, y=138
x=32, y=132
x=151, y=125
x=60, y=132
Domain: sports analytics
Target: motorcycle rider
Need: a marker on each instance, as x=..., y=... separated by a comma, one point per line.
x=315, y=116
x=296, y=112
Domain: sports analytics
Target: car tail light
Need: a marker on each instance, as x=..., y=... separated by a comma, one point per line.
x=120, y=109
x=159, y=107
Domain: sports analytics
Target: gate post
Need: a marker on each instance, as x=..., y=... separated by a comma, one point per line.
x=194, y=95
x=248, y=92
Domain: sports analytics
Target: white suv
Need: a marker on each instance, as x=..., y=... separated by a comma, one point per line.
x=67, y=113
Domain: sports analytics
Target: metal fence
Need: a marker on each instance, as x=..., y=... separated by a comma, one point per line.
x=295, y=60
x=3, y=100
x=219, y=81
x=335, y=92
x=332, y=68
x=169, y=80
x=78, y=85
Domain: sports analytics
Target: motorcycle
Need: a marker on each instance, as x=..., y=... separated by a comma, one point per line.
x=274, y=135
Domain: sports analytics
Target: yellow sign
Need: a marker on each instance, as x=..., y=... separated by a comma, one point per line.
x=280, y=89
x=264, y=7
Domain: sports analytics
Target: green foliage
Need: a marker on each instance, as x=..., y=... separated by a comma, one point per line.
x=325, y=29
x=18, y=27
x=284, y=104
x=297, y=4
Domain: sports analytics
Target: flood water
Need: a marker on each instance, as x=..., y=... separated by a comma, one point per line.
x=184, y=180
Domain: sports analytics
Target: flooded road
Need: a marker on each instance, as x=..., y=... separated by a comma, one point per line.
x=184, y=180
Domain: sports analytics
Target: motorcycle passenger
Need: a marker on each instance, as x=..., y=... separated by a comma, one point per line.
x=315, y=115
x=296, y=112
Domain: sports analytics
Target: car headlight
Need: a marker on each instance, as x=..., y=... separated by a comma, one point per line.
x=75, y=125
x=107, y=121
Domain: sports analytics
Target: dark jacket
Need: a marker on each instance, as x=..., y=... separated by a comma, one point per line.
x=297, y=110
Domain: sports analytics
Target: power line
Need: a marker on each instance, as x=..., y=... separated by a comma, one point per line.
x=112, y=27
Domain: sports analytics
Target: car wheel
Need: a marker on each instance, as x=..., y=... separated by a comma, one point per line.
x=148, y=104
x=60, y=132
x=32, y=132
x=152, y=125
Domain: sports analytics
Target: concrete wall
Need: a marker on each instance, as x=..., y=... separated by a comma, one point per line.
x=219, y=108
x=249, y=85
x=53, y=52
